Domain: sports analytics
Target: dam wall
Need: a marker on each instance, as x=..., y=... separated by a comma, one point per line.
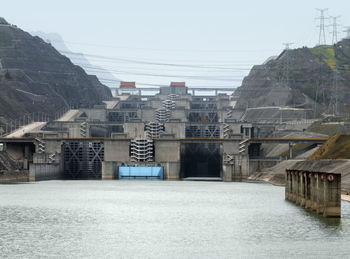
x=42, y=172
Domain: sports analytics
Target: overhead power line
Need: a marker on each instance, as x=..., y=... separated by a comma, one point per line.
x=162, y=50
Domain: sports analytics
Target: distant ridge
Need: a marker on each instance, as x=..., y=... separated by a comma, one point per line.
x=79, y=59
x=35, y=77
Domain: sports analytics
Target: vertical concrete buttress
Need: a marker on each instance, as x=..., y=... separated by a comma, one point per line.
x=317, y=191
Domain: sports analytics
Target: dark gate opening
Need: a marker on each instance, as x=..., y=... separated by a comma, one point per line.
x=201, y=160
x=83, y=159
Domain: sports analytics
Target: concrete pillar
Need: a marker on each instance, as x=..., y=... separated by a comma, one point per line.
x=332, y=201
x=307, y=190
x=313, y=191
x=302, y=189
x=290, y=194
x=290, y=150
x=31, y=174
x=299, y=198
x=227, y=172
x=295, y=186
x=320, y=193
x=109, y=170
x=287, y=189
x=325, y=195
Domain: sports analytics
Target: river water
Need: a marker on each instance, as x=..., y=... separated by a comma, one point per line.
x=163, y=219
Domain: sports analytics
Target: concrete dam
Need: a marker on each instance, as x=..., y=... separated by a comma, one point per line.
x=173, y=134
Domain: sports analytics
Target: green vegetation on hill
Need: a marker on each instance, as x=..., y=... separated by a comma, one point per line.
x=325, y=54
x=337, y=147
x=311, y=77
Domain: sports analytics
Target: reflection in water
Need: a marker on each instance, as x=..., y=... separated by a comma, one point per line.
x=110, y=219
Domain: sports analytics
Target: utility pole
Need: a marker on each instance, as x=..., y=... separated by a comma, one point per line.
x=334, y=29
x=347, y=30
x=322, y=33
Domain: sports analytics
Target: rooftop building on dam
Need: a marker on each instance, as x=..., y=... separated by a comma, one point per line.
x=176, y=131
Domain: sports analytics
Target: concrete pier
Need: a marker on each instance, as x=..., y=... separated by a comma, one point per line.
x=317, y=191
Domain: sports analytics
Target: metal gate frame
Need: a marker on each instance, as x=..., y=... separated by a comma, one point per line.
x=83, y=159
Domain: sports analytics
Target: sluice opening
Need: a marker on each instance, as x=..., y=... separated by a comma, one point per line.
x=140, y=173
x=82, y=159
x=201, y=160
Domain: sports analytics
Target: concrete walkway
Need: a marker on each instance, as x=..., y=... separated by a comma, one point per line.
x=20, y=132
x=69, y=115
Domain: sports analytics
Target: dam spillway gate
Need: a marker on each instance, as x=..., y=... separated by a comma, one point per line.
x=83, y=159
x=201, y=160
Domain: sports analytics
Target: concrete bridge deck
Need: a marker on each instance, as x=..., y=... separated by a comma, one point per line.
x=288, y=140
x=20, y=132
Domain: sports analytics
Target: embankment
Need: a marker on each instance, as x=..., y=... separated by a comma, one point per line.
x=276, y=174
x=14, y=176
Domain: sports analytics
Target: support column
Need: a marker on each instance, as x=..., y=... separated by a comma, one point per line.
x=313, y=191
x=290, y=150
x=302, y=189
x=286, y=193
x=290, y=194
x=295, y=184
x=307, y=190
x=288, y=186
x=332, y=189
x=325, y=196
x=320, y=194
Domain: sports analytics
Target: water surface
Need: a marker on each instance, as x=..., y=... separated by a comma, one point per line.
x=163, y=219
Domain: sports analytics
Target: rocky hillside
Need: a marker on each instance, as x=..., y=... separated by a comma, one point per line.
x=299, y=78
x=35, y=77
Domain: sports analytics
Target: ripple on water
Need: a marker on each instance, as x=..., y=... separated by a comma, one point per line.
x=93, y=219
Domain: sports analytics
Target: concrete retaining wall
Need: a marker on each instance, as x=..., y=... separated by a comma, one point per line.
x=7, y=177
x=41, y=172
x=259, y=165
x=109, y=170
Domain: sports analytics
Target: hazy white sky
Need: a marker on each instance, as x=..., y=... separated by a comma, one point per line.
x=215, y=42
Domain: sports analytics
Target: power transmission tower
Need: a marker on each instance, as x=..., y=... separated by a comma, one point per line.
x=347, y=30
x=287, y=62
x=322, y=33
x=334, y=29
